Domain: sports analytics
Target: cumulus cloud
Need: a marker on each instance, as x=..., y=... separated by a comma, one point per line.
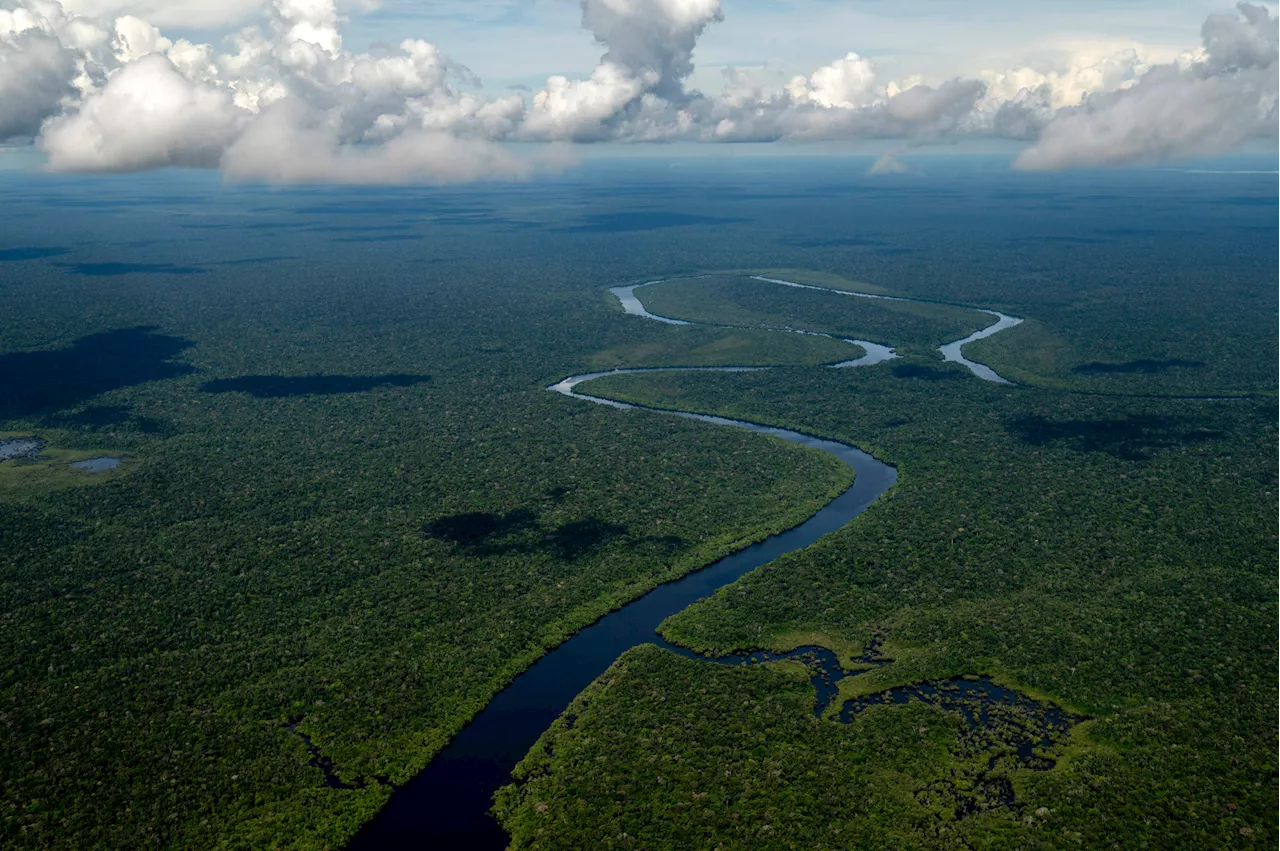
x=846, y=83
x=1177, y=110
x=291, y=143
x=284, y=101
x=579, y=109
x=637, y=90
x=100, y=87
x=147, y=116
x=651, y=38
x=35, y=76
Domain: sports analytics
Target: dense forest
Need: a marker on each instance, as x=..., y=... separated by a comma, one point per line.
x=349, y=511
x=744, y=301
x=1114, y=556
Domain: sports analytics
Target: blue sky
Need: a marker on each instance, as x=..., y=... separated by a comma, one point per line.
x=523, y=41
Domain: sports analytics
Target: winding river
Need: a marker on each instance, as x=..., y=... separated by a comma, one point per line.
x=950, y=351
x=446, y=805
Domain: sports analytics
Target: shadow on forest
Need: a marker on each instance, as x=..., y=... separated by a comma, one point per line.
x=10, y=255
x=580, y=537
x=845, y=242
x=1131, y=438
x=616, y=222
x=1146, y=365
x=389, y=206
x=40, y=382
x=110, y=270
x=253, y=261
x=277, y=386
x=475, y=528
x=483, y=533
x=113, y=417
x=385, y=237
x=354, y=228
x=928, y=373
x=1064, y=240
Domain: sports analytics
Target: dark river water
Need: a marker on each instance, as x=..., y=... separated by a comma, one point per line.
x=446, y=806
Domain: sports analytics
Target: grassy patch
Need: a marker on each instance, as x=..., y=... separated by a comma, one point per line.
x=51, y=470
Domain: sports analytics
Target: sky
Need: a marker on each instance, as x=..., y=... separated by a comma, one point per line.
x=385, y=91
x=524, y=41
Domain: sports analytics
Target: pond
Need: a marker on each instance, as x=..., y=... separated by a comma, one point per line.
x=96, y=465
x=20, y=447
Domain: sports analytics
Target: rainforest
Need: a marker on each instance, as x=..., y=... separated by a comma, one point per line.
x=383, y=517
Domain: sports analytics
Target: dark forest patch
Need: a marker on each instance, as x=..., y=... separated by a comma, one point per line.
x=841, y=242
x=277, y=386
x=386, y=237
x=619, y=222
x=107, y=417
x=927, y=373
x=1146, y=366
x=520, y=531
x=475, y=527
x=397, y=206
x=354, y=228
x=12, y=255
x=1131, y=438
x=44, y=381
x=662, y=543
x=580, y=537
x=250, y=261
x=110, y=270
x=466, y=221
x=1065, y=240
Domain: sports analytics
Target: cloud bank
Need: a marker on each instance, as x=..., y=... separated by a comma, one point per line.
x=1208, y=105
x=284, y=100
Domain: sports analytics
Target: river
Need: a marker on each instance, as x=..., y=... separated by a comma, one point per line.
x=447, y=805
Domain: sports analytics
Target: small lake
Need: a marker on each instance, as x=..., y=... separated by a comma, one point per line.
x=96, y=465
x=20, y=447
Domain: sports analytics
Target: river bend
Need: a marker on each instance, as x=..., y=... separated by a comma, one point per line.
x=446, y=806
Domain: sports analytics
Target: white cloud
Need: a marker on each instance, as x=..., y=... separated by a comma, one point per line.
x=578, y=109
x=35, y=76
x=290, y=143
x=650, y=37
x=636, y=89
x=1169, y=115
x=845, y=83
x=147, y=116
x=104, y=88
x=135, y=38
x=1205, y=106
